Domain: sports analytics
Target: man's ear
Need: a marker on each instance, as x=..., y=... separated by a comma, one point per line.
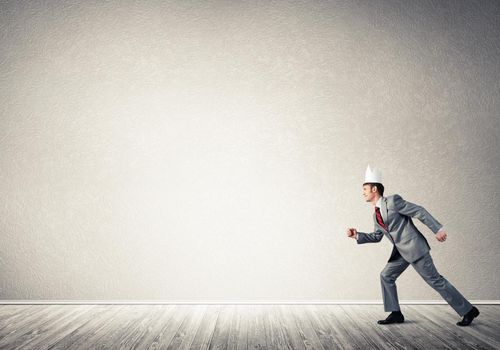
x=374, y=188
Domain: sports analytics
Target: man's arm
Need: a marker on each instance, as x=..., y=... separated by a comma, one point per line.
x=416, y=211
x=373, y=237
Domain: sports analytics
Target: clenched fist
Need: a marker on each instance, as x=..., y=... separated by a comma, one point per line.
x=441, y=236
x=352, y=232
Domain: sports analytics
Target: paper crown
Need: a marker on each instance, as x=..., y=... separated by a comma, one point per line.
x=373, y=175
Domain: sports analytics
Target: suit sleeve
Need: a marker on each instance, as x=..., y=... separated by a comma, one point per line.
x=373, y=237
x=416, y=211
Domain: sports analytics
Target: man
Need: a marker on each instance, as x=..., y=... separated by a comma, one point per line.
x=393, y=218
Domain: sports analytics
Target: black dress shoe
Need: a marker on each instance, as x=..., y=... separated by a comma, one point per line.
x=394, y=317
x=468, y=317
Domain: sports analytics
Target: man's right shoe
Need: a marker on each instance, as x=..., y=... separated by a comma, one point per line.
x=468, y=317
x=394, y=317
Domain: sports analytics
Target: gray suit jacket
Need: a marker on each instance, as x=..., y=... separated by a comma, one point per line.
x=397, y=215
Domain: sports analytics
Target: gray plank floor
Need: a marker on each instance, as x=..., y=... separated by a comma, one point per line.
x=242, y=327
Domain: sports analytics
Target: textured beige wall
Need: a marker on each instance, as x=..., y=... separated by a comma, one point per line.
x=192, y=150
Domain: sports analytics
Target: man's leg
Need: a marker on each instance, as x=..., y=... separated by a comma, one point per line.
x=388, y=278
x=425, y=267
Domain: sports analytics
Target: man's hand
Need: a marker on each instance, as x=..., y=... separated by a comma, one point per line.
x=441, y=236
x=352, y=232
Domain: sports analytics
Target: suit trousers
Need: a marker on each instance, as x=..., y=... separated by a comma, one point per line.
x=426, y=269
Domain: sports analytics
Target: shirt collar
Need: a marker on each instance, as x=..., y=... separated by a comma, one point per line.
x=379, y=203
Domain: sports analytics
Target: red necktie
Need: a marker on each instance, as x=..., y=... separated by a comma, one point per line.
x=379, y=217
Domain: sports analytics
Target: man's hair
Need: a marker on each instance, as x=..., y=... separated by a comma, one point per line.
x=380, y=187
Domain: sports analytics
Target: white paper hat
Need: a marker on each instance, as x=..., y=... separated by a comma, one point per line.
x=373, y=175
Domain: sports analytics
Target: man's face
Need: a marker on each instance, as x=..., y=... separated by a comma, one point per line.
x=369, y=192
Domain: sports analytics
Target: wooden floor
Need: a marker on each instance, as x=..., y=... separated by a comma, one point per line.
x=242, y=327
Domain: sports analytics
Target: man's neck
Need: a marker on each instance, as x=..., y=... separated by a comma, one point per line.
x=375, y=199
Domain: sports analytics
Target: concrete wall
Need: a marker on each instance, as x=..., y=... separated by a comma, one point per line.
x=215, y=150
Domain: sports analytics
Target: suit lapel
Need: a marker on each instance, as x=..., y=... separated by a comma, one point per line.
x=376, y=222
x=383, y=211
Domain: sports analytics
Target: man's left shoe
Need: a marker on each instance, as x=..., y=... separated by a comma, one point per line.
x=468, y=317
x=394, y=317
